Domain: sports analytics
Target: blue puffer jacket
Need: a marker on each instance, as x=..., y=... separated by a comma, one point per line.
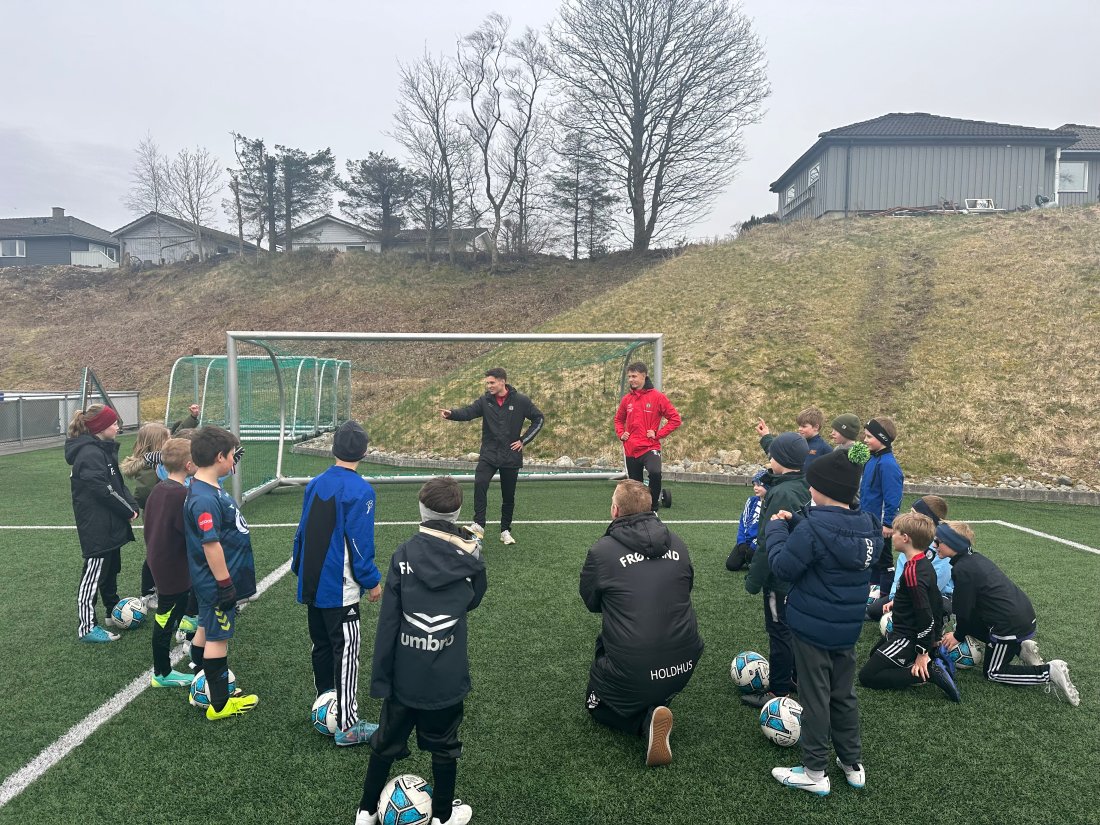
x=825, y=553
x=881, y=487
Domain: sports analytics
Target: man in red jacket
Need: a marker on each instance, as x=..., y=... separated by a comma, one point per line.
x=638, y=425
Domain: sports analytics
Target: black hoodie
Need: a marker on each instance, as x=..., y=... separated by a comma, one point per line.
x=434, y=579
x=639, y=576
x=101, y=503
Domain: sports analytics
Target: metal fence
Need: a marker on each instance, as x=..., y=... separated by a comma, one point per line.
x=35, y=418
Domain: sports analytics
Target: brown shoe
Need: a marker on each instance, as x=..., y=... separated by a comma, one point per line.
x=658, y=751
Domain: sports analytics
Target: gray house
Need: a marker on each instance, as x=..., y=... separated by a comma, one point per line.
x=1079, y=167
x=917, y=159
x=159, y=239
x=59, y=239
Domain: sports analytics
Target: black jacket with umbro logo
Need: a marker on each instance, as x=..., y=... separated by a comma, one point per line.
x=501, y=425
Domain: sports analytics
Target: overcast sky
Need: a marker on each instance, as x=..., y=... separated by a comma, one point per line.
x=84, y=82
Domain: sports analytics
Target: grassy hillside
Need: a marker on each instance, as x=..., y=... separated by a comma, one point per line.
x=978, y=334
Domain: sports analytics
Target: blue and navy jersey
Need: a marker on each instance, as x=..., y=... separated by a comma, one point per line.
x=210, y=514
x=333, y=554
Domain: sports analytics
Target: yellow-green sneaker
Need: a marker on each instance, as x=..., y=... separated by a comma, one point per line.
x=236, y=706
x=189, y=624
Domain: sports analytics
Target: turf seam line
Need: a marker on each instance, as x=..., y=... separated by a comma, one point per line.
x=393, y=523
x=1039, y=534
x=78, y=733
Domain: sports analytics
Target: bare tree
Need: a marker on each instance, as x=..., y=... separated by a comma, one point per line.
x=501, y=81
x=429, y=91
x=665, y=87
x=147, y=184
x=192, y=182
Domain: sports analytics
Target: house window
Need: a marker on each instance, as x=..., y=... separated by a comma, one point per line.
x=815, y=173
x=13, y=249
x=1073, y=176
x=112, y=253
x=790, y=194
x=357, y=248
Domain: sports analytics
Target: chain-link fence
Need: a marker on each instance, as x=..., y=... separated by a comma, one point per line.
x=39, y=419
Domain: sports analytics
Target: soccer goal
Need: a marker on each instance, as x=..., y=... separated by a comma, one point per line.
x=396, y=383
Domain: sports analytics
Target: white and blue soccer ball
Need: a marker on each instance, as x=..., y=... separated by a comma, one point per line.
x=873, y=594
x=323, y=715
x=781, y=721
x=129, y=612
x=406, y=800
x=886, y=623
x=750, y=672
x=200, y=693
x=969, y=652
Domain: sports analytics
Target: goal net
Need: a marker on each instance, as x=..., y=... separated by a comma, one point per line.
x=285, y=392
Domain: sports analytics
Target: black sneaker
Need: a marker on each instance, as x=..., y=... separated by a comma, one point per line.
x=939, y=676
x=757, y=700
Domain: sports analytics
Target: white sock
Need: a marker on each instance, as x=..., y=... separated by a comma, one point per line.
x=816, y=776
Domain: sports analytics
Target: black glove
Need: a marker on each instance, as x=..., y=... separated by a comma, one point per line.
x=227, y=596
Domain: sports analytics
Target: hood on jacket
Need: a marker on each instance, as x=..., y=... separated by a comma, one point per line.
x=845, y=534
x=643, y=533
x=77, y=443
x=446, y=557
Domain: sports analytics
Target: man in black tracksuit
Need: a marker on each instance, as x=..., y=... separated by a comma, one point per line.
x=639, y=576
x=992, y=609
x=502, y=411
x=421, y=670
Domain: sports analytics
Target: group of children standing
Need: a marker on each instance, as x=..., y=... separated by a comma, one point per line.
x=819, y=536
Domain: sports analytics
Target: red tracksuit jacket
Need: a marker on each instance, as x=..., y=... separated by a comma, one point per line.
x=640, y=411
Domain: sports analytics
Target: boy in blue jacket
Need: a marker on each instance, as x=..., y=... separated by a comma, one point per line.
x=826, y=555
x=748, y=528
x=334, y=561
x=880, y=491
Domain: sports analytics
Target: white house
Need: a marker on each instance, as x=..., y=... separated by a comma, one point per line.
x=159, y=239
x=328, y=232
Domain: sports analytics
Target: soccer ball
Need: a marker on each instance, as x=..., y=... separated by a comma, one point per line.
x=967, y=653
x=886, y=623
x=200, y=696
x=873, y=594
x=750, y=671
x=323, y=714
x=406, y=800
x=781, y=721
x=129, y=612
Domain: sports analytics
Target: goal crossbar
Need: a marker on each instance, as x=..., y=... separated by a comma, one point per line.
x=259, y=339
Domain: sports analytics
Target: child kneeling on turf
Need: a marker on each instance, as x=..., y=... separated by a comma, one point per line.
x=219, y=557
x=333, y=559
x=992, y=609
x=421, y=670
x=826, y=555
x=166, y=554
x=905, y=656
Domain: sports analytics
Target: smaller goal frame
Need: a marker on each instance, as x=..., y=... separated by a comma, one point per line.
x=258, y=339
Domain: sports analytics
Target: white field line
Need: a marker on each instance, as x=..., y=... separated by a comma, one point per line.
x=21, y=779
x=33, y=770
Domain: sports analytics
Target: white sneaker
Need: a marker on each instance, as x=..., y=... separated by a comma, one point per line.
x=658, y=750
x=365, y=818
x=856, y=776
x=1029, y=653
x=796, y=778
x=109, y=621
x=150, y=602
x=1059, y=677
x=506, y=537
x=460, y=815
x=477, y=529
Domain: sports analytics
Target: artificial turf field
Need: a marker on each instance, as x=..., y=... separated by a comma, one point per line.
x=1005, y=755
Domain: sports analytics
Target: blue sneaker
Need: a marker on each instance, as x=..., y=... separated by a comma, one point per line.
x=944, y=658
x=939, y=676
x=172, y=679
x=357, y=734
x=98, y=636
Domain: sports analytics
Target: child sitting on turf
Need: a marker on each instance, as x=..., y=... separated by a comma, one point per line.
x=166, y=554
x=219, y=557
x=333, y=558
x=826, y=554
x=936, y=509
x=421, y=670
x=150, y=438
x=992, y=609
x=748, y=528
x=905, y=656
x=809, y=423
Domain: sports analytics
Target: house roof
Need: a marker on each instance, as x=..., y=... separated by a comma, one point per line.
x=921, y=126
x=1088, y=137
x=214, y=234
x=298, y=230
x=54, y=227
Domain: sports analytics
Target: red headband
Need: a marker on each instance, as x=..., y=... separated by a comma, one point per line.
x=101, y=420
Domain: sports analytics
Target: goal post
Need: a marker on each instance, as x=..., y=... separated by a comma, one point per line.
x=385, y=391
